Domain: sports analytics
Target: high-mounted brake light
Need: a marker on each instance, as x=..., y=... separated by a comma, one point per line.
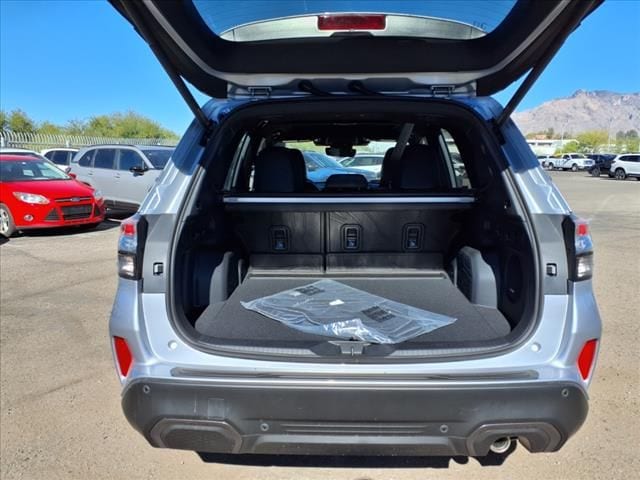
x=352, y=22
x=124, y=358
x=579, y=248
x=586, y=358
x=130, y=247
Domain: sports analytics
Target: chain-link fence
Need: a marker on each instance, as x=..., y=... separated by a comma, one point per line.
x=38, y=141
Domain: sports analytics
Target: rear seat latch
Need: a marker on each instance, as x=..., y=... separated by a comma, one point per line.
x=351, y=235
x=413, y=234
x=279, y=239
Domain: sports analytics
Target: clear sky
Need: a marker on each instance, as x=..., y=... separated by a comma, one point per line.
x=71, y=59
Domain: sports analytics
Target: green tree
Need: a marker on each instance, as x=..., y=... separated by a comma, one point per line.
x=4, y=120
x=48, y=128
x=590, y=141
x=76, y=127
x=19, y=121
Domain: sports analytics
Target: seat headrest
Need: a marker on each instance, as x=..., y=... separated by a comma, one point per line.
x=279, y=170
x=342, y=182
x=421, y=167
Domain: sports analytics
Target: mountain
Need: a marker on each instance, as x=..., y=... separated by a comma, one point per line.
x=583, y=111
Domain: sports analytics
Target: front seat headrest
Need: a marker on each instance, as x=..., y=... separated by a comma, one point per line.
x=279, y=170
x=346, y=182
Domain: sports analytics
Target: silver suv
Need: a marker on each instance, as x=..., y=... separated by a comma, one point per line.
x=427, y=312
x=122, y=173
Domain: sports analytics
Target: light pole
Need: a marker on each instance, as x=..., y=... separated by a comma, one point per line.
x=609, y=133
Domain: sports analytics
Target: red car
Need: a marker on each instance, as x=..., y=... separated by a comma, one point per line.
x=34, y=193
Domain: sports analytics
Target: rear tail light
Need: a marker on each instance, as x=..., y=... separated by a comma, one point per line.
x=586, y=358
x=124, y=358
x=579, y=246
x=352, y=22
x=130, y=247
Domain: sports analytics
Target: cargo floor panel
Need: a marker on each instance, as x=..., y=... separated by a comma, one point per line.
x=230, y=321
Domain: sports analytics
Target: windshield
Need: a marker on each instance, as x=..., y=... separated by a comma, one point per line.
x=158, y=158
x=459, y=19
x=30, y=170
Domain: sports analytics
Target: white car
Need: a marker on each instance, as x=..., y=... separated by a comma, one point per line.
x=371, y=162
x=61, y=156
x=627, y=165
x=569, y=161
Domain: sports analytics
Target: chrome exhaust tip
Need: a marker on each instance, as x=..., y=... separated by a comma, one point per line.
x=501, y=445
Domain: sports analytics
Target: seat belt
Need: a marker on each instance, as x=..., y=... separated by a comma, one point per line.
x=401, y=144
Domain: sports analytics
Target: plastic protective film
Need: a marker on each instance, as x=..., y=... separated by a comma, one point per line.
x=330, y=308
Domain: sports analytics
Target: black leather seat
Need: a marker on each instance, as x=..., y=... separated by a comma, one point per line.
x=279, y=170
x=421, y=168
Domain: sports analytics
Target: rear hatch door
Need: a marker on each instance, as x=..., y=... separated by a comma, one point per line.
x=468, y=46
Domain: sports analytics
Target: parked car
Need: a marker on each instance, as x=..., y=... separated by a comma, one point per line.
x=320, y=167
x=602, y=163
x=123, y=173
x=569, y=161
x=34, y=193
x=60, y=156
x=623, y=166
x=254, y=316
x=365, y=161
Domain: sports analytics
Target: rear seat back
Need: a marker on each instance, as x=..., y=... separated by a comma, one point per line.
x=420, y=168
x=302, y=237
x=279, y=170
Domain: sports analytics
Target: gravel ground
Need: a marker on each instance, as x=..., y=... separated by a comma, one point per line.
x=60, y=410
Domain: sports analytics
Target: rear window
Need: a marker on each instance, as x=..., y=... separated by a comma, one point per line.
x=59, y=157
x=85, y=160
x=262, y=20
x=105, y=158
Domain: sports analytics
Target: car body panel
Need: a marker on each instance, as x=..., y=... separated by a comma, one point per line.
x=629, y=163
x=65, y=196
x=122, y=188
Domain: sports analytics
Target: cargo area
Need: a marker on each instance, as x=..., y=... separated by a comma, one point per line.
x=435, y=228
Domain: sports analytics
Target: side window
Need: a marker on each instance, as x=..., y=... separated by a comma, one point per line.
x=129, y=159
x=59, y=157
x=49, y=155
x=87, y=159
x=105, y=158
x=453, y=157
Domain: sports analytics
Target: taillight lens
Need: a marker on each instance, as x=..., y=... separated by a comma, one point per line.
x=579, y=247
x=352, y=22
x=130, y=243
x=586, y=358
x=124, y=357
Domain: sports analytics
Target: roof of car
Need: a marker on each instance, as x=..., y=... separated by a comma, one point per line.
x=120, y=145
x=16, y=150
x=8, y=157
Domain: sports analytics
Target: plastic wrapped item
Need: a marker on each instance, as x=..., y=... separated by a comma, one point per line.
x=333, y=309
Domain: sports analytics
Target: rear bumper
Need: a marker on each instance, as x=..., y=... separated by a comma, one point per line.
x=272, y=419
